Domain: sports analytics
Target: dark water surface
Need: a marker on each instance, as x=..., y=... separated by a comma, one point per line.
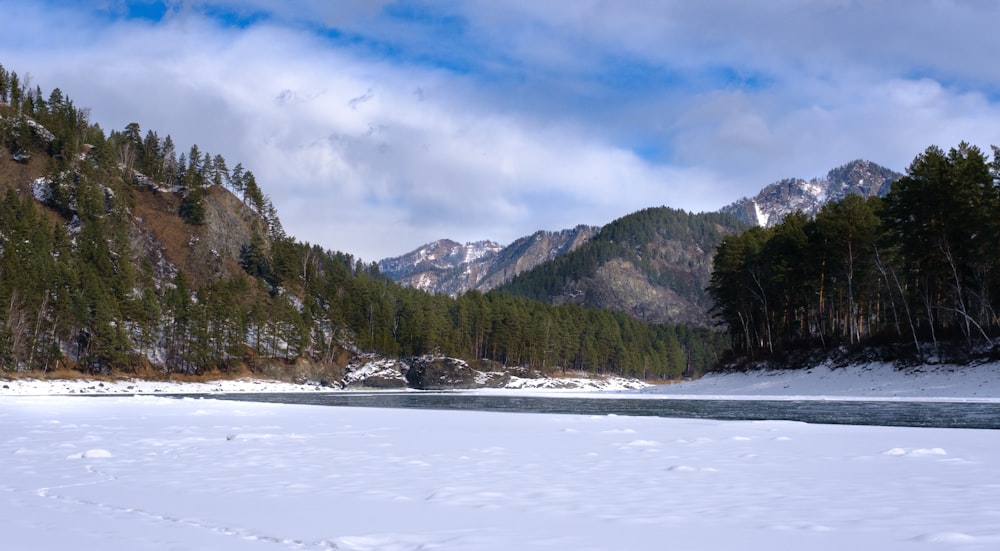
x=974, y=415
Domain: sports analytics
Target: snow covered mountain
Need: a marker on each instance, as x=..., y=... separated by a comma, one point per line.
x=774, y=202
x=451, y=268
x=442, y=266
x=447, y=267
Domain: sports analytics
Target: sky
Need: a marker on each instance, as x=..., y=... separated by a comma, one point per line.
x=376, y=126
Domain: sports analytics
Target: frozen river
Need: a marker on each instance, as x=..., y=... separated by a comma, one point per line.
x=941, y=414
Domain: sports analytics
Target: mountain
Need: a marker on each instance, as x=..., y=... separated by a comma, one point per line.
x=656, y=264
x=447, y=267
x=652, y=264
x=450, y=268
x=769, y=207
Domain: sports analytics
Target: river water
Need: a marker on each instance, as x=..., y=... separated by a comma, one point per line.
x=973, y=415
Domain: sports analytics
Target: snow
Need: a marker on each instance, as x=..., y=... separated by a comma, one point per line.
x=574, y=383
x=478, y=250
x=368, y=367
x=125, y=473
x=816, y=189
x=373, y=366
x=39, y=387
x=762, y=217
x=40, y=189
x=872, y=381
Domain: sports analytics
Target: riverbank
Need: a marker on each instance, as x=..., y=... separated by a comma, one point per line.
x=861, y=381
x=47, y=387
x=876, y=380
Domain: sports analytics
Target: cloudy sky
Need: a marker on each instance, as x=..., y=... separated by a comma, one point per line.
x=376, y=126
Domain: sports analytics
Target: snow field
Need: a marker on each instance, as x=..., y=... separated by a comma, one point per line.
x=155, y=473
x=41, y=387
x=873, y=381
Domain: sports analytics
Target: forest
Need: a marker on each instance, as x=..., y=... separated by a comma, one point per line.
x=78, y=291
x=669, y=252
x=914, y=273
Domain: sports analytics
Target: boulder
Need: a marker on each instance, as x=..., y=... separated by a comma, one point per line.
x=434, y=372
x=378, y=373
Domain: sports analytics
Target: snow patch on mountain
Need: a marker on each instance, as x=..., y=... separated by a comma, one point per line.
x=760, y=215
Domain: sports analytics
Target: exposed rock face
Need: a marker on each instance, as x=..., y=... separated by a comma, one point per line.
x=621, y=285
x=448, y=267
x=229, y=224
x=769, y=207
x=528, y=252
x=444, y=266
x=204, y=252
x=440, y=373
x=375, y=372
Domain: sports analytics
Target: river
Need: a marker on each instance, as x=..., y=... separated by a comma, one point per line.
x=971, y=415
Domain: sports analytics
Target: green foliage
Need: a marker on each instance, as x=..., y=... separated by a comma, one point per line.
x=663, y=244
x=917, y=267
x=73, y=291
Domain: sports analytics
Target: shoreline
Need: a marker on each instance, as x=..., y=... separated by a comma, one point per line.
x=27, y=386
x=859, y=382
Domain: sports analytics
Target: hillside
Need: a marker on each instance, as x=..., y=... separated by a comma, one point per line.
x=653, y=264
x=120, y=256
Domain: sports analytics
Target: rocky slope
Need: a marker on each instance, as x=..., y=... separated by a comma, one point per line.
x=204, y=252
x=450, y=268
x=653, y=264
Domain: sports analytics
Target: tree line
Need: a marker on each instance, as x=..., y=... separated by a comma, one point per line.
x=916, y=270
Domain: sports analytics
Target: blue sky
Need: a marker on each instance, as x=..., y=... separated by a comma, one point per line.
x=377, y=126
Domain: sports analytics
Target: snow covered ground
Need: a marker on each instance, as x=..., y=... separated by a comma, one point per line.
x=37, y=387
x=867, y=381
x=148, y=472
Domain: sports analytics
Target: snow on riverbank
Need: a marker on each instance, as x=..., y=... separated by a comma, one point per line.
x=874, y=381
x=38, y=387
x=125, y=473
x=879, y=381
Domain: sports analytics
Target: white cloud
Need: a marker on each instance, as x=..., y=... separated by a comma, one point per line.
x=375, y=153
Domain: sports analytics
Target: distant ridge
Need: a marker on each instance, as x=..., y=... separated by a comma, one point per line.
x=774, y=202
x=451, y=268
x=653, y=264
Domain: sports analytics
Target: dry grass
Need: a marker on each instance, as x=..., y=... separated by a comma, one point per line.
x=55, y=375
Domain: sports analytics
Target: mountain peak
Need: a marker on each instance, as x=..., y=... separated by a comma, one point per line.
x=448, y=267
x=774, y=202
